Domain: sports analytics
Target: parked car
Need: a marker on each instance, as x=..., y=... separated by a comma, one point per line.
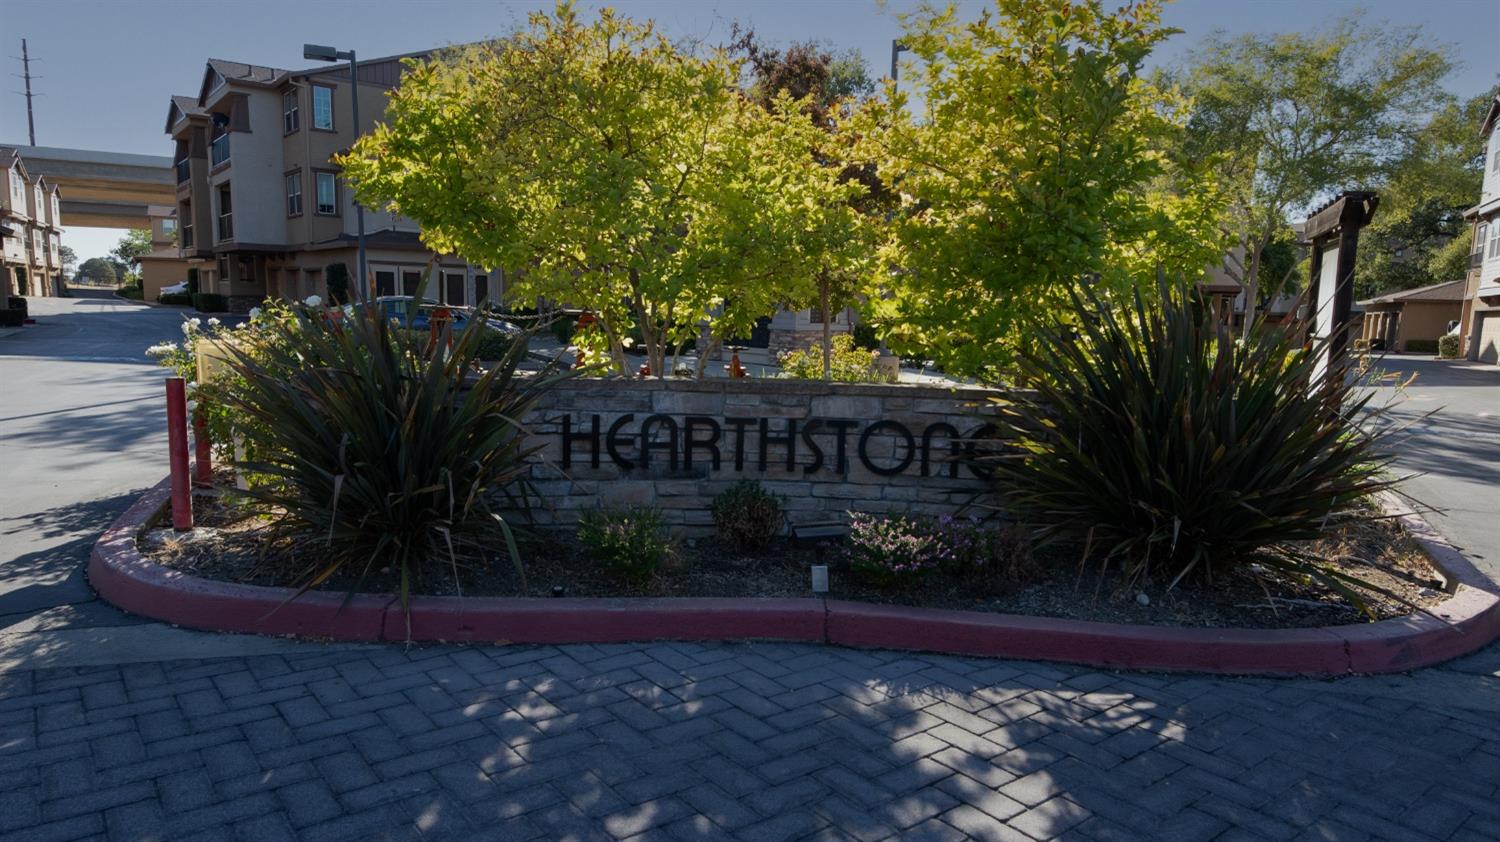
x=180, y=288
x=400, y=309
x=1452, y=327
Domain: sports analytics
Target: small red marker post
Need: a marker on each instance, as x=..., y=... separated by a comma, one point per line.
x=203, y=465
x=177, y=447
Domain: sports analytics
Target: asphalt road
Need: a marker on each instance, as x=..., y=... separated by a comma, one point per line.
x=1452, y=448
x=82, y=433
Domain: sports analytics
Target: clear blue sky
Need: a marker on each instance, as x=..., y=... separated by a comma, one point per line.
x=107, y=67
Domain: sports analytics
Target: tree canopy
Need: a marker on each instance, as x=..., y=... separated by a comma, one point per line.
x=132, y=247
x=615, y=173
x=1041, y=160
x=1293, y=118
x=99, y=271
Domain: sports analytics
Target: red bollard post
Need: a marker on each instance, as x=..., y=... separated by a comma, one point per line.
x=203, y=464
x=177, y=446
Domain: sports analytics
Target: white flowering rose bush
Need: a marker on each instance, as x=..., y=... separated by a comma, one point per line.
x=245, y=337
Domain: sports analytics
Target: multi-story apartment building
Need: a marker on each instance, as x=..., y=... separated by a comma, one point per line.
x=31, y=228
x=1479, y=325
x=164, y=266
x=262, y=209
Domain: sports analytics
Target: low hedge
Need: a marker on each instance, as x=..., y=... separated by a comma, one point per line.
x=1422, y=346
x=11, y=317
x=16, y=302
x=182, y=299
x=210, y=302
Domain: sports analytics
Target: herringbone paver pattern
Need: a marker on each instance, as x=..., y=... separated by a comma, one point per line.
x=757, y=742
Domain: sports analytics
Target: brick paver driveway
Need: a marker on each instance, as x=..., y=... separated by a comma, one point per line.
x=764, y=741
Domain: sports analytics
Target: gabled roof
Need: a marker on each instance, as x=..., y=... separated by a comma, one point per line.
x=240, y=73
x=1445, y=291
x=1489, y=118
x=12, y=158
x=182, y=106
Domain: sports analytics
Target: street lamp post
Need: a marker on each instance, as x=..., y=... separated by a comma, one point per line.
x=318, y=52
x=897, y=48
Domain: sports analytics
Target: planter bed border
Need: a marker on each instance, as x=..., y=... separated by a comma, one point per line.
x=1468, y=620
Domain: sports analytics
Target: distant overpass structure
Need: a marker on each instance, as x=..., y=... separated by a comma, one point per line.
x=103, y=189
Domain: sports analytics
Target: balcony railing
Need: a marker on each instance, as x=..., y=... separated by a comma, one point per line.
x=1476, y=258
x=184, y=171
x=226, y=226
x=219, y=150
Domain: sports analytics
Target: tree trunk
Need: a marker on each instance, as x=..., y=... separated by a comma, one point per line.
x=827, y=332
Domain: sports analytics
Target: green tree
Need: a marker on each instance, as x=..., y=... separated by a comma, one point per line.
x=132, y=247
x=69, y=260
x=826, y=86
x=1296, y=117
x=1041, y=160
x=617, y=173
x=1436, y=177
x=99, y=271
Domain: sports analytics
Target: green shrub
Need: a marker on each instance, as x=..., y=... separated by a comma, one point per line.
x=1422, y=346
x=1159, y=440
x=11, y=317
x=631, y=543
x=134, y=293
x=181, y=299
x=847, y=364
x=1448, y=347
x=562, y=328
x=747, y=515
x=16, y=302
x=210, y=302
x=386, y=457
x=494, y=345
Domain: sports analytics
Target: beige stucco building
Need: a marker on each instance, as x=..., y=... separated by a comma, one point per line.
x=164, y=266
x=262, y=208
x=1479, y=327
x=31, y=231
x=1392, y=322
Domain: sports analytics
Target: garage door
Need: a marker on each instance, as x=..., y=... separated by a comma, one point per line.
x=1489, y=339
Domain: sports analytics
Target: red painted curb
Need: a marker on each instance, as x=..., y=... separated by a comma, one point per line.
x=1467, y=621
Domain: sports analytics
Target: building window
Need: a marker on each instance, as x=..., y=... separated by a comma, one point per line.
x=481, y=289
x=1494, y=241
x=294, y=193
x=322, y=107
x=815, y=315
x=218, y=148
x=453, y=289
x=289, y=113
x=168, y=227
x=226, y=214
x=328, y=194
x=186, y=213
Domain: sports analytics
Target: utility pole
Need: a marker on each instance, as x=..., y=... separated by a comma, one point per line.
x=26, y=74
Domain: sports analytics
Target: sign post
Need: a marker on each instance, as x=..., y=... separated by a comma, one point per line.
x=1333, y=233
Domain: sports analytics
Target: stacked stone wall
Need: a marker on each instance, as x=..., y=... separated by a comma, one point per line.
x=827, y=448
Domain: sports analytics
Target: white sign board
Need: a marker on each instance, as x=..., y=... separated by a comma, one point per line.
x=1323, y=315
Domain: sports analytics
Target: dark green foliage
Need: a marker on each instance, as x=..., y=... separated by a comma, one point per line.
x=387, y=457
x=210, y=302
x=562, y=328
x=1448, y=347
x=1172, y=450
x=16, y=302
x=630, y=543
x=747, y=515
x=98, y=271
x=337, y=277
x=10, y=317
x=494, y=345
x=1422, y=346
x=176, y=298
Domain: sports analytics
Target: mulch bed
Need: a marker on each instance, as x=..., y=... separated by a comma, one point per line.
x=229, y=545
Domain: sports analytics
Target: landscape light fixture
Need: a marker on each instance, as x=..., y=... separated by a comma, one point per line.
x=321, y=52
